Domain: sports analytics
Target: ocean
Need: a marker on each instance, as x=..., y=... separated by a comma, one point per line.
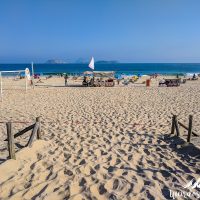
x=119, y=68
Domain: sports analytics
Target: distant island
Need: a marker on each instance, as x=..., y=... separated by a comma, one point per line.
x=55, y=61
x=80, y=61
x=106, y=62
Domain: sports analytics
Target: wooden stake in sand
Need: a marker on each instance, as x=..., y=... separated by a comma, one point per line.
x=11, y=144
x=189, y=128
x=173, y=124
x=185, y=127
x=35, y=129
x=176, y=126
x=39, y=128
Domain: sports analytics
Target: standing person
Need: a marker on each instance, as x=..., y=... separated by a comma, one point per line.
x=65, y=77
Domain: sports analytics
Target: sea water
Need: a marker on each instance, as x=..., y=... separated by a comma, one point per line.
x=119, y=68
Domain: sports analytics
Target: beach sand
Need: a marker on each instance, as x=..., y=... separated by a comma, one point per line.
x=100, y=143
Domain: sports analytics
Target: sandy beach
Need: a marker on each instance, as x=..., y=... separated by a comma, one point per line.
x=100, y=143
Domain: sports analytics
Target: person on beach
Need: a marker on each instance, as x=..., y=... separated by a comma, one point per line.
x=65, y=77
x=85, y=81
x=91, y=82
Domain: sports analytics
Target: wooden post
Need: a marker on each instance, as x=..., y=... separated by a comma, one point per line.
x=32, y=78
x=30, y=142
x=11, y=144
x=185, y=127
x=189, y=128
x=1, y=89
x=176, y=126
x=39, y=128
x=173, y=124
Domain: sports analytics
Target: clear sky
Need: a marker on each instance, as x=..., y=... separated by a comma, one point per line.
x=123, y=30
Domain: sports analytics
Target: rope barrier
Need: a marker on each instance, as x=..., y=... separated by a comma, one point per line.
x=78, y=122
x=67, y=122
x=16, y=122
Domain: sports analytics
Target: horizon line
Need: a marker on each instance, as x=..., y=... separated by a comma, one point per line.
x=117, y=62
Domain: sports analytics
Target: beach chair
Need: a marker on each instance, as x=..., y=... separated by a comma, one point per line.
x=109, y=83
x=125, y=82
x=85, y=84
x=184, y=81
x=194, y=79
x=162, y=83
x=173, y=82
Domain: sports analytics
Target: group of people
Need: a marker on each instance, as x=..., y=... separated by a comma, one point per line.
x=88, y=82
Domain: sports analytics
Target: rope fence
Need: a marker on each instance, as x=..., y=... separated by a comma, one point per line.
x=36, y=131
x=176, y=124
x=66, y=122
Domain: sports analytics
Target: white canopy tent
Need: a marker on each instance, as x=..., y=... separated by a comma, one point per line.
x=106, y=74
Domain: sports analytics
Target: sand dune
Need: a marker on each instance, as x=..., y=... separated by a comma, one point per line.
x=100, y=143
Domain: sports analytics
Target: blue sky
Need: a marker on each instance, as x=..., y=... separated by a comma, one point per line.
x=123, y=30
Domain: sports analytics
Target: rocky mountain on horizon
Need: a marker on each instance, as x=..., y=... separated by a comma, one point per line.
x=106, y=62
x=55, y=61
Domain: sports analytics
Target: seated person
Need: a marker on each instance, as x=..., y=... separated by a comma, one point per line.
x=91, y=83
x=85, y=82
x=194, y=77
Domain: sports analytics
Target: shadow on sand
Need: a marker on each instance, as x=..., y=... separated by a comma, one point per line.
x=183, y=148
x=59, y=86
